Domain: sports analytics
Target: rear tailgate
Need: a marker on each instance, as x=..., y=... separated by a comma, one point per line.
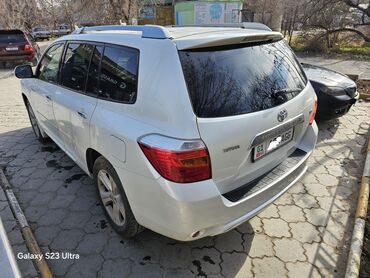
x=253, y=105
x=12, y=42
x=230, y=141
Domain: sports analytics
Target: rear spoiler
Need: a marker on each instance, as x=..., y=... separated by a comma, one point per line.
x=226, y=37
x=243, y=25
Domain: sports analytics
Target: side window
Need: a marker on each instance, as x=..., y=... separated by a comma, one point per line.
x=118, y=78
x=76, y=65
x=93, y=78
x=49, y=65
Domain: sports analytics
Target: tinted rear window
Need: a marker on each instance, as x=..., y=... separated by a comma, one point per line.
x=239, y=80
x=12, y=37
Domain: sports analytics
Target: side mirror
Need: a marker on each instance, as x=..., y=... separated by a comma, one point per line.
x=23, y=71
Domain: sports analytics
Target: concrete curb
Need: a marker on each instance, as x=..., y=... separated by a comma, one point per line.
x=354, y=257
x=28, y=236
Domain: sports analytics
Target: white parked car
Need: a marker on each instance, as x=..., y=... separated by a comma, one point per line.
x=61, y=30
x=188, y=131
x=40, y=33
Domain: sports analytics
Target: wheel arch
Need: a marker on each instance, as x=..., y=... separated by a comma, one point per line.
x=91, y=156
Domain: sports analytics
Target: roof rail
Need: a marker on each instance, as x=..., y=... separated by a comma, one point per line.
x=148, y=31
x=243, y=25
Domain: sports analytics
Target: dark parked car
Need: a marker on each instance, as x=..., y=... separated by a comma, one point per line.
x=336, y=92
x=17, y=46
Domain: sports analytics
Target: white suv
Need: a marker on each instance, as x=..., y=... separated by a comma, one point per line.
x=188, y=131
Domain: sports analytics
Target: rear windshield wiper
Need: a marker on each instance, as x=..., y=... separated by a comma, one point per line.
x=284, y=95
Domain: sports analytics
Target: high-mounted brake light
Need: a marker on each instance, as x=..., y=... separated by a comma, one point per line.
x=181, y=161
x=312, y=118
x=28, y=47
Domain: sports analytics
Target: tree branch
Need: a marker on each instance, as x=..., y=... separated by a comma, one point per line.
x=366, y=38
x=357, y=6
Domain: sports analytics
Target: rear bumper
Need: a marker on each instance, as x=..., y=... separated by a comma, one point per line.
x=42, y=36
x=334, y=106
x=180, y=210
x=28, y=57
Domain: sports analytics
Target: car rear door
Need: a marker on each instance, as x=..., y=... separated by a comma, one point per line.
x=73, y=105
x=253, y=105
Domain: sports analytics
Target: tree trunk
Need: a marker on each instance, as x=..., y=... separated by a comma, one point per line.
x=129, y=12
x=327, y=39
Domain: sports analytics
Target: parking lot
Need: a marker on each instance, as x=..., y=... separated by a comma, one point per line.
x=306, y=233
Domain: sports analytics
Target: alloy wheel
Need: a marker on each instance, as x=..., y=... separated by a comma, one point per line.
x=111, y=198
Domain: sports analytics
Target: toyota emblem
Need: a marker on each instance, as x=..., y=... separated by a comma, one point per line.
x=282, y=115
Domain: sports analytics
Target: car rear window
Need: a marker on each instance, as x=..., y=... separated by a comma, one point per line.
x=119, y=74
x=40, y=29
x=234, y=80
x=12, y=37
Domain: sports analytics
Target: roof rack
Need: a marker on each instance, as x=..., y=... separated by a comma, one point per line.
x=243, y=25
x=148, y=31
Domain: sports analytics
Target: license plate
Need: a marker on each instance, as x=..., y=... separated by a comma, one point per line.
x=272, y=144
x=11, y=48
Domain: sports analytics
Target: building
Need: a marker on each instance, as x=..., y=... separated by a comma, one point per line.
x=157, y=14
x=269, y=12
x=192, y=12
x=208, y=12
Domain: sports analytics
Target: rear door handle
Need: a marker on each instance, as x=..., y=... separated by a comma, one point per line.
x=81, y=114
x=48, y=97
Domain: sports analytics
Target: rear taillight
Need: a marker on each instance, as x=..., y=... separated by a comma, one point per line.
x=28, y=47
x=313, y=114
x=181, y=161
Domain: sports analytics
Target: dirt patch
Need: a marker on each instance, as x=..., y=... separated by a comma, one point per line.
x=363, y=86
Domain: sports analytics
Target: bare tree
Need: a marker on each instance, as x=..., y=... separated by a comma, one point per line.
x=336, y=16
x=50, y=11
x=17, y=13
x=290, y=19
x=360, y=5
x=21, y=14
x=268, y=12
x=112, y=11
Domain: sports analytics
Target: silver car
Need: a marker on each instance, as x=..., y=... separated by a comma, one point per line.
x=187, y=131
x=40, y=33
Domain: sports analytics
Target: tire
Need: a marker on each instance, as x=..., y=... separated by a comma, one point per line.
x=35, y=125
x=115, y=205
